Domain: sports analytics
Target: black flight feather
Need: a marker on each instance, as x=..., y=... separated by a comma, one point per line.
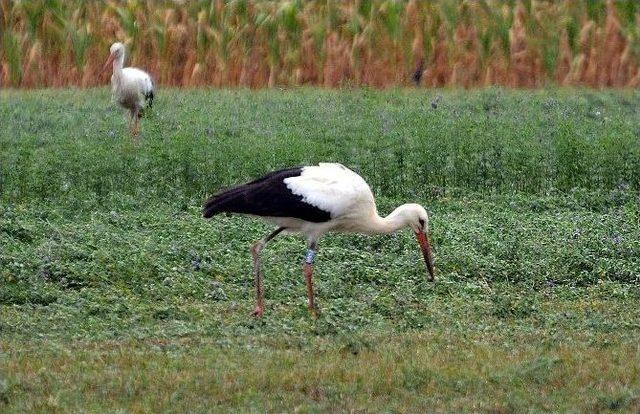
x=266, y=196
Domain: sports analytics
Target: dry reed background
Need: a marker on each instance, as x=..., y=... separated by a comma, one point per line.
x=330, y=43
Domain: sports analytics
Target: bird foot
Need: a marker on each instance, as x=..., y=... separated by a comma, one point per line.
x=257, y=312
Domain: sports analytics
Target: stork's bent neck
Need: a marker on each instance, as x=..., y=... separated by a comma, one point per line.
x=386, y=225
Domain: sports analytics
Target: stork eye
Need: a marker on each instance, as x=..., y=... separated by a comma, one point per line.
x=421, y=223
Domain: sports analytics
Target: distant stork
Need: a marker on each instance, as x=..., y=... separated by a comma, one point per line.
x=130, y=87
x=315, y=200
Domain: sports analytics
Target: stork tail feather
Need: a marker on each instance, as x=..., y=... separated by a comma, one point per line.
x=217, y=203
x=149, y=97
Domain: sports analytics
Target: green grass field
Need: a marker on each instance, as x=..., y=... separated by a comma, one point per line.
x=116, y=296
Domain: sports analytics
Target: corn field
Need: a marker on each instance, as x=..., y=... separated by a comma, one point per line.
x=377, y=43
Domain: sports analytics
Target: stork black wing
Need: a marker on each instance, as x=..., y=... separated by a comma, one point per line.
x=266, y=196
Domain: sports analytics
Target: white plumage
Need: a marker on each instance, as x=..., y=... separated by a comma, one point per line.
x=332, y=187
x=132, y=88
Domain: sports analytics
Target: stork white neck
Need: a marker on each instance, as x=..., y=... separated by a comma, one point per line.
x=118, y=64
x=397, y=220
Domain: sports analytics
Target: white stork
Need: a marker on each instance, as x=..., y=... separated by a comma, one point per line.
x=130, y=87
x=312, y=201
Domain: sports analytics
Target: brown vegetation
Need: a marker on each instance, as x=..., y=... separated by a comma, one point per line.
x=331, y=43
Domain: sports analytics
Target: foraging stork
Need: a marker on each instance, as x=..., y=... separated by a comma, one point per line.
x=130, y=87
x=314, y=200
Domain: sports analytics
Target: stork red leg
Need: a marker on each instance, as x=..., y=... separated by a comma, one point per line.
x=256, y=249
x=130, y=121
x=307, y=270
x=255, y=252
x=136, y=122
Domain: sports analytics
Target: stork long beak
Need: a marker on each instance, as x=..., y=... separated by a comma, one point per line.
x=108, y=62
x=423, y=240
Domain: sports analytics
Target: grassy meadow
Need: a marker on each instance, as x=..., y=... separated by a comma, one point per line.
x=116, y=296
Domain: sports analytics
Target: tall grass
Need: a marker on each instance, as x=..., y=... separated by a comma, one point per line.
x=379, y=43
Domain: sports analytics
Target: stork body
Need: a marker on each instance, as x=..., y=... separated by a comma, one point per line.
x=131, y=88
x=312, y=201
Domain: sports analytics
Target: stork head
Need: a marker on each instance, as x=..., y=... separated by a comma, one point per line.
x=415, y=217
x=116, y=52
